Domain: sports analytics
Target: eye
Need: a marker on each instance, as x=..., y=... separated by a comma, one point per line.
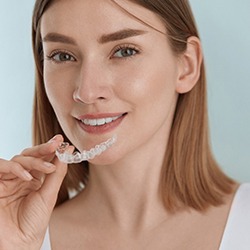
x=59, y=57
x=123, y=52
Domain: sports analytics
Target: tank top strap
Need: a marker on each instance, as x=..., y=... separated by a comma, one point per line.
x=46, y=242
x=237, y=230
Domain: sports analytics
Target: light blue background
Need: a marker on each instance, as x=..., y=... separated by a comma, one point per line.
x=225, y=31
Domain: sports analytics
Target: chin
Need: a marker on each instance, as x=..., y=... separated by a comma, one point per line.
x=102, y=161
x=106, y=159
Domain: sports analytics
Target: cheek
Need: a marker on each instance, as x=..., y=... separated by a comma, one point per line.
x=148, y=83
x=58, y=87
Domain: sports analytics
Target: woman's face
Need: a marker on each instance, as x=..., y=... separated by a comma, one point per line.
x=108, y=73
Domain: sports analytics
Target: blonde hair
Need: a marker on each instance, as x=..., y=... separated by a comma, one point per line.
x=190, y=175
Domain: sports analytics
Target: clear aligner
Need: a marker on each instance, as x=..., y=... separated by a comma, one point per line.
x=86, y=155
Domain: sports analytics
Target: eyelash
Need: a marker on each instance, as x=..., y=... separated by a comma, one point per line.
x=125, y=47
x=60, y=52
x=134, y=50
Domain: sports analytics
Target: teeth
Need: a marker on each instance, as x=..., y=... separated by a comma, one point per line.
x=92, y=122
x=108, y=120
x=99, y=122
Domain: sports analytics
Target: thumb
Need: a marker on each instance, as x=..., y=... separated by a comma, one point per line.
x=52, y=183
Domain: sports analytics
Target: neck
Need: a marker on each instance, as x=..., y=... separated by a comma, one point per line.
x=128, y=192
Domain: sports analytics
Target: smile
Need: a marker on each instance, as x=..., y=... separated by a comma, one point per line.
x=100, y=122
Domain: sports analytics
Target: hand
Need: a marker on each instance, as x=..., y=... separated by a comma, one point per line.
x=29, y=184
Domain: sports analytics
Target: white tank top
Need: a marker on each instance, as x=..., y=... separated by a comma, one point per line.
x=237, y=231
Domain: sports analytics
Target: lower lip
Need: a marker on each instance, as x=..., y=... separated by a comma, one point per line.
x=102, y=128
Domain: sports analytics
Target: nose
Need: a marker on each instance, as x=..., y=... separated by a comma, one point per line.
x=93, y=85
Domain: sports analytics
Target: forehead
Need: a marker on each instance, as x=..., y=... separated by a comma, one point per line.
x=98, y=16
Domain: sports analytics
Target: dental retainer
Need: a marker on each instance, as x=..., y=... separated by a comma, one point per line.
x=85, y=155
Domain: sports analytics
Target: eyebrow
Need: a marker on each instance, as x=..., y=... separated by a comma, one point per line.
x=118, y=35
x=58, y=38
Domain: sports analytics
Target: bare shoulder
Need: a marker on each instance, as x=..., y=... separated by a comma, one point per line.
x=68, y=222
x=196, y=225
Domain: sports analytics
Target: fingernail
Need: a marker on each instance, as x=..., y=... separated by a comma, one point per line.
x=52, y=139
x=27, y=176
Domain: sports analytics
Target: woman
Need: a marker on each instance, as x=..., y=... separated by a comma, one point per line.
x=134, y=70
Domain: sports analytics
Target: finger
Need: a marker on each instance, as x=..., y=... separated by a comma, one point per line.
x=9, y=167
x=31, y=163
x=45, y=150
x=52, y=183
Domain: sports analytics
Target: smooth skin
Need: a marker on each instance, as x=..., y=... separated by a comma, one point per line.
x=87, y=71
